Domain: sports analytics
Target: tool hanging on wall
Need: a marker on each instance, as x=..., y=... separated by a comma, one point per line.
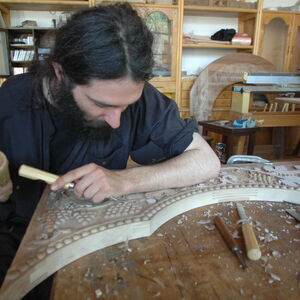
x=231, y=243
x=252, y=247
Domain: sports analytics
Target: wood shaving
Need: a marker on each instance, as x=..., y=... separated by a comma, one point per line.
x=275, y=277
x=203, y=222
x=210, y=227
x=98, y=293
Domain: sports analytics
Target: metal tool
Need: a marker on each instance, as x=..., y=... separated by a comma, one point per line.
x=36, y=174
x=294, y=214
x=252, y=247
x=231, y=243
x=279, y=78
x=248, y=159
x=293, y=201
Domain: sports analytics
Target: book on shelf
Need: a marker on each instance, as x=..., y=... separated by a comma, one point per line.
x=19, y=70
x=22, y=55
x=22, y=39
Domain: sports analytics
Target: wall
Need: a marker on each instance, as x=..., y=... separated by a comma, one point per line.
x=194, y=60
x=43, y=18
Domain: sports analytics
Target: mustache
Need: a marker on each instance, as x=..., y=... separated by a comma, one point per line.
x=74, y=118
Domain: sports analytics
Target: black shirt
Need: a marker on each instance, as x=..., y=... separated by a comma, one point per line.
x=151, y=131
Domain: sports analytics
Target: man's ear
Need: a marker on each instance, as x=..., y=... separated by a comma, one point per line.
x=58, y=70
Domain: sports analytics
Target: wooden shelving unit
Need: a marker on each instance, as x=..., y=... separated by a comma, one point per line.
x=250, y=21
x=38, y=5
x=220, y=46
x=219, y=9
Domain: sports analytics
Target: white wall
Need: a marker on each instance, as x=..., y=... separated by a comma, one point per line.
x=43, y=18
x=275, y=3
x=194, y=60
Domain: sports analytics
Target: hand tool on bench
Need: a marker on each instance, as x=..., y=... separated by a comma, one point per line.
x=36, y=174
x=231, y=243
x=252, y=247
x=294, y=214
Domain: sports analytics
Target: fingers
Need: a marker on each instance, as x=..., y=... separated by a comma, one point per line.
x=94, y=186
x=92, y=182
x=6, y=191
x=73, y=175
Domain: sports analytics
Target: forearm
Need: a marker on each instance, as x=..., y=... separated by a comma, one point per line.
x=198, y=163
x=191, y=167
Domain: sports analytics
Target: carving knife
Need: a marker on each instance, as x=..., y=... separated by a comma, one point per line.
x=252, y=247
x=294, y=214
x=231, y=243
x=293, y=201
x=36, y=174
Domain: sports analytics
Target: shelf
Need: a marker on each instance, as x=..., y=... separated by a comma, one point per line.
x=218, y=46
x=156, y=5
x=194, y=9
x=22, y=46
x=280, y=11
x=46, y=5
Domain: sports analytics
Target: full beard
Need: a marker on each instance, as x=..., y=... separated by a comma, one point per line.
x=74, y=118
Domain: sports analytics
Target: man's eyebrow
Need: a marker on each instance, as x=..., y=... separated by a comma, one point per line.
x=97, y=102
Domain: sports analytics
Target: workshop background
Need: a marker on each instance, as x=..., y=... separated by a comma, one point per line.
x=190, y=35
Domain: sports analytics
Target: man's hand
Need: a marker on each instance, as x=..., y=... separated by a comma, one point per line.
x=6, y=191
x=196, y=164
x=92, y=182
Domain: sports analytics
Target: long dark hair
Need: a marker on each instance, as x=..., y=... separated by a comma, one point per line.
x=103, y=42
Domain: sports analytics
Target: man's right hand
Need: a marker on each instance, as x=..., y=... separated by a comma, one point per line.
x=6, y=191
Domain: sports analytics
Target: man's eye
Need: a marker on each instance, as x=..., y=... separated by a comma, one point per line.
x=99, y=105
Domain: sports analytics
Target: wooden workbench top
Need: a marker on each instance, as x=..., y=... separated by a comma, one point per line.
x=187, y=258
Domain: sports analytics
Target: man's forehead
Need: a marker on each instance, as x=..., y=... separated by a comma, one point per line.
x=113, y=92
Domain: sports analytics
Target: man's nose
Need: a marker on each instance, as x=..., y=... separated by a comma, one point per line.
x=113, y=117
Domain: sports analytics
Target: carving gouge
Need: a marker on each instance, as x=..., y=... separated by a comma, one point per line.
x=231, y=243
x=36, y=174
x=252, y=247
x=294, y=214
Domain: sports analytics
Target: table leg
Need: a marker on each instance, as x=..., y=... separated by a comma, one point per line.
x=240, y=145
x=229, y=145
x=251, y=143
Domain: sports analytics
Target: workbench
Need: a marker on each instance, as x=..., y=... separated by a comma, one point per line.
x=187, y=259
x=163, y=243
x=228, y=133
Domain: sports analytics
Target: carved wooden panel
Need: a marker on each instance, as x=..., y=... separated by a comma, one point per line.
x=65, y=228
x=218, y=75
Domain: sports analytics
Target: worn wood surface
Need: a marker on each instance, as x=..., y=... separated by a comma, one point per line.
x=187, y=259
x=65, y=228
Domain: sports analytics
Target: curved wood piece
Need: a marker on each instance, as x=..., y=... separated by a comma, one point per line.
x=65, y=228
x=219, y=74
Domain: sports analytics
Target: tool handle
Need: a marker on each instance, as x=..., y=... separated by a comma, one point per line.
x=36, y=174
x=252, y=247
x=231, y=243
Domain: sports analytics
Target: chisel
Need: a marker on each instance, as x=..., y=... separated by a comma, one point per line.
x=36, y=174
x=252, y=247
x=231, y=243
x=294, y=214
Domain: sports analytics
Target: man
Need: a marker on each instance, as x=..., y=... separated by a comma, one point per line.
x=85, y=111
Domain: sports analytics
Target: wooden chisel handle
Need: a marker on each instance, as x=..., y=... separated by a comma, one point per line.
x=252, y=247
x=36, y=174
x=231, y=243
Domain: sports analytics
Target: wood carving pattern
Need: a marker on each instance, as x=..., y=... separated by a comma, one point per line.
x=65, y=228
